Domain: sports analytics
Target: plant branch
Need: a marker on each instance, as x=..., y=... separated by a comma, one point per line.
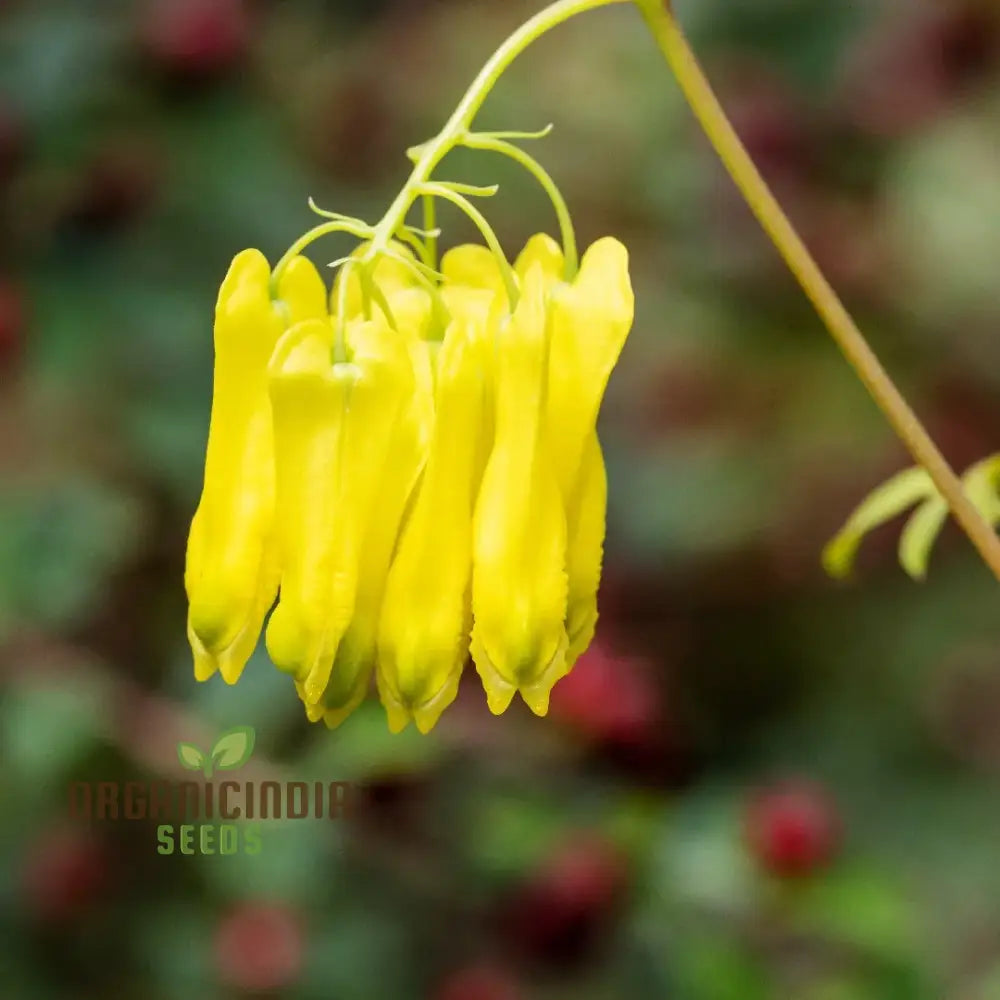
x=705, y=105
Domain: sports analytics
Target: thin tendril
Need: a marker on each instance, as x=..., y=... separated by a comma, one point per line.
x=491, y=141
x=430, y=229
x=477, y=217
x=407, y=235
x=355, y=228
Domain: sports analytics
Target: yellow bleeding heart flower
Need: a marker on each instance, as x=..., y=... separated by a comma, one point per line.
x=231, y=575
x=426, y=616
x=590, y=321
x=342, y=484
x=519, y=586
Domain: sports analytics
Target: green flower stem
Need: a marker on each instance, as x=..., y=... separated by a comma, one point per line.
x=338, y=225
x=567, y=232
x=430, y=225
x=705, y=105
x=431, y=153
x=449, y=193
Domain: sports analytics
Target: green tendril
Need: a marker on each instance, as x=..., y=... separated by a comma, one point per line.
x=355, y=227
x=428, y=155
x=409, y=236
x=372, y=293
x=454, y=194
x=430, y=231
x=340, y=326
x=494, y=142
x=428, y=278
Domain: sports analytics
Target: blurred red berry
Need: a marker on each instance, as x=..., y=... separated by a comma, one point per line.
x=63, y=874
x=196, y=39
x=259, y=947
x=559, y=912
x=793, y=829
x=608, y=697
x=12, y=322
x=478, y=982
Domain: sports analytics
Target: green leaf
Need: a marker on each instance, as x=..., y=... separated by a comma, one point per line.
x=190, y=756
x=233, y=748
x=918, y=536
x=881, y=505
x=980, y=484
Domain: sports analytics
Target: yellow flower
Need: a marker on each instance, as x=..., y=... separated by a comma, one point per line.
x=590, y=320
x=579, y=329
x=411, y=492
x=426, y=615
x=231, y=576
x=347, y=457
x=519, y=584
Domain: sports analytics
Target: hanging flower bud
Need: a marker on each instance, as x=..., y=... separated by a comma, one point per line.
x=519, y=551
x=336, y=427
x=231, y=576
x=426, y=615
x=590, y=319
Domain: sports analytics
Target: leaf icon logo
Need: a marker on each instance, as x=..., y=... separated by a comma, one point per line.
x=231, y=750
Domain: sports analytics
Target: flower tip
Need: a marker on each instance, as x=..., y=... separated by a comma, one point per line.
x=231, y=670
x=537, y=699
x=426, y=716
x=426, y=721
x=204, y=668
x=397, y=718
x=333, y=717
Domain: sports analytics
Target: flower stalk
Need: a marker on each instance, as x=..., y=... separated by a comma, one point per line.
x=852, y=343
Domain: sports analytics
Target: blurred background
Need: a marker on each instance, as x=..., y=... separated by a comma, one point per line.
x=758, y=783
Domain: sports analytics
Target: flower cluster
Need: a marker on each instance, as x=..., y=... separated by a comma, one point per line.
x=410, y=468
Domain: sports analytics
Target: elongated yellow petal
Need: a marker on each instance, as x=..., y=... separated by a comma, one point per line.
x=585, y=549
x=519, y=579
x=426, y=615
x=231, y=575
x=389, y=273
x=334, y=428
x=590, y=320
x=472, y=266
x=541, y=249
x=403, y=464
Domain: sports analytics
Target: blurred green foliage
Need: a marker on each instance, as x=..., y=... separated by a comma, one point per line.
x=592, y=855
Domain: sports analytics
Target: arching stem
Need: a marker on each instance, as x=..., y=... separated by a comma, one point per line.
x=705, y=105
x=431, y=153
